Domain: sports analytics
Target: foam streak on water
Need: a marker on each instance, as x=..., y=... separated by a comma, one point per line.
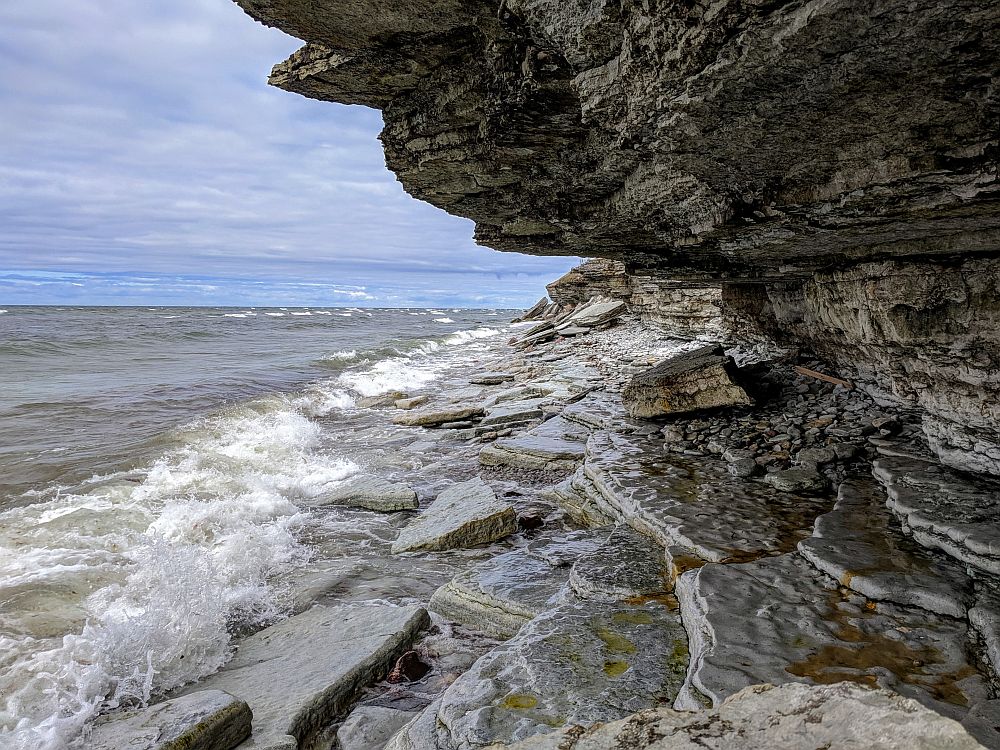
x=123, y=586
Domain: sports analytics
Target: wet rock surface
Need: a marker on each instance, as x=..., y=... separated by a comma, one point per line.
x=302, y=673
x=555, y=445
x=464, y=515
x=627, y=565
x=764, y=717
x=372, y=493
x=579, y=662
x=203, y=720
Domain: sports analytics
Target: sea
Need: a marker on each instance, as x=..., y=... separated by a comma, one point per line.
x=158, y=473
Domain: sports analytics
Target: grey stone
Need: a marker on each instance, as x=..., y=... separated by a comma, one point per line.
x=464, y=515
x=943, y=509
x=370, y=727
x=555, y=445
x=580, y=662
x=513, y=411
x=843, y=716
x=301, y=674
x=411, y=403
x=439, y=416
x=202, y=720
x=699, y=379
x=629, y=565
x=859, y=545
x=491, y=378
x=371, y=493
x=595, y=313
x=797, y=480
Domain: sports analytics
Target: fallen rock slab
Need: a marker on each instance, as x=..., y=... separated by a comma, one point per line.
x=595, y=314
x=843, y=716
x=943, y=509
x=699, y=379
x=371, y=493
x=301, y=674
x=435, y=417
x=859, y=544
x=513, y=411
x=464, y=515
x=202, y=720
x=579, y=662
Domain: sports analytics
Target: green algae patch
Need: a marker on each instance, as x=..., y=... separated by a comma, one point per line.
x=632, y=618
x=615, y=668
x=616, y=643
x=677, y=659
x=519, y=701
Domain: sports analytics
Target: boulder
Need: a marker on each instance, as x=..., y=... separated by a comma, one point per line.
x=843, y=716
x=371, y=493
x=202, y=720
x=440, y=416
x=464, y=515
x=699, y=379
x=301, y=674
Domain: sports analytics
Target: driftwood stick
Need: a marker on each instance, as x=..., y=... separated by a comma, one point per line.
x=820, y=376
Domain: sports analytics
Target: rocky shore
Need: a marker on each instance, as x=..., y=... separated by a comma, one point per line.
x=679, y=543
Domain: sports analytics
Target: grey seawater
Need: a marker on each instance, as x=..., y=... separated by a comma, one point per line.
x=159, y=475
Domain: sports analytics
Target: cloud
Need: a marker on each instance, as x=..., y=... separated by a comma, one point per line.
x=141, y=138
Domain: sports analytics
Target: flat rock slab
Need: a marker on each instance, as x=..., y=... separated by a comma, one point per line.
x=581, y=662
x=598, y=410
x=694, y=503
x=946, y=510
x=491, y=378
x=411, y=403
x=501, y=594
x=370, y=727
x=859, y=544
x=788, y=717
x=371, y=493
x=301, y=674
x=514, y=411
x=439, y=416
x=595, y=314
x=203, y=720
x=464, y=515
x=555, y=445
x=628, y=565
x=777, y=620
x=699, y=379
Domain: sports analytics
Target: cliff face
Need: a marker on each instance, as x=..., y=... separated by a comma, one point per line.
x=832, y=165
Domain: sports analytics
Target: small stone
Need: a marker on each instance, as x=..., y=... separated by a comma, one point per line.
x=796, y=480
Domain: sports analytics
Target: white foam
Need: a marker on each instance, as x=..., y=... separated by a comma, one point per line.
x=472, y=334
x=343, y=355
x=393, y=374
x=175, y=562
x=2, y=312
x=235, y=315
x=275, y=315
x=301, y=313
x=443, y=320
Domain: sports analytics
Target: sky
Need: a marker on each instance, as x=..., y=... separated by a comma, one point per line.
x=144, y=160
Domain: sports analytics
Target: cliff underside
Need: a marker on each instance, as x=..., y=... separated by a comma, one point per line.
x=809, y=185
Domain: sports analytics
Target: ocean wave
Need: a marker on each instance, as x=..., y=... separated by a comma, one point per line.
x=275, y=315
x=443, y=320
x=472, y=334
x=176, y=558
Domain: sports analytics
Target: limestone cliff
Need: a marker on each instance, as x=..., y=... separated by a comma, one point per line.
x=833, y=165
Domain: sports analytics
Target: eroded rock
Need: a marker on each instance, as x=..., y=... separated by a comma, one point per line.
x=371, y=493
x=439, y=416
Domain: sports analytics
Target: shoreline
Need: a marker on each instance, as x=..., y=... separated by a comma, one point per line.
x=713, y=511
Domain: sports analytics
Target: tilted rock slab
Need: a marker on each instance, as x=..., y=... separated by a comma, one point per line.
x=501, y=594
x=946, y=510
x=843, y=716
x=580, y=662
x=777, y=620
x=699, y=379
x=301, y=674
x=464, y=515
x=371, y=493
x=859, y=544
x=203, y=720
